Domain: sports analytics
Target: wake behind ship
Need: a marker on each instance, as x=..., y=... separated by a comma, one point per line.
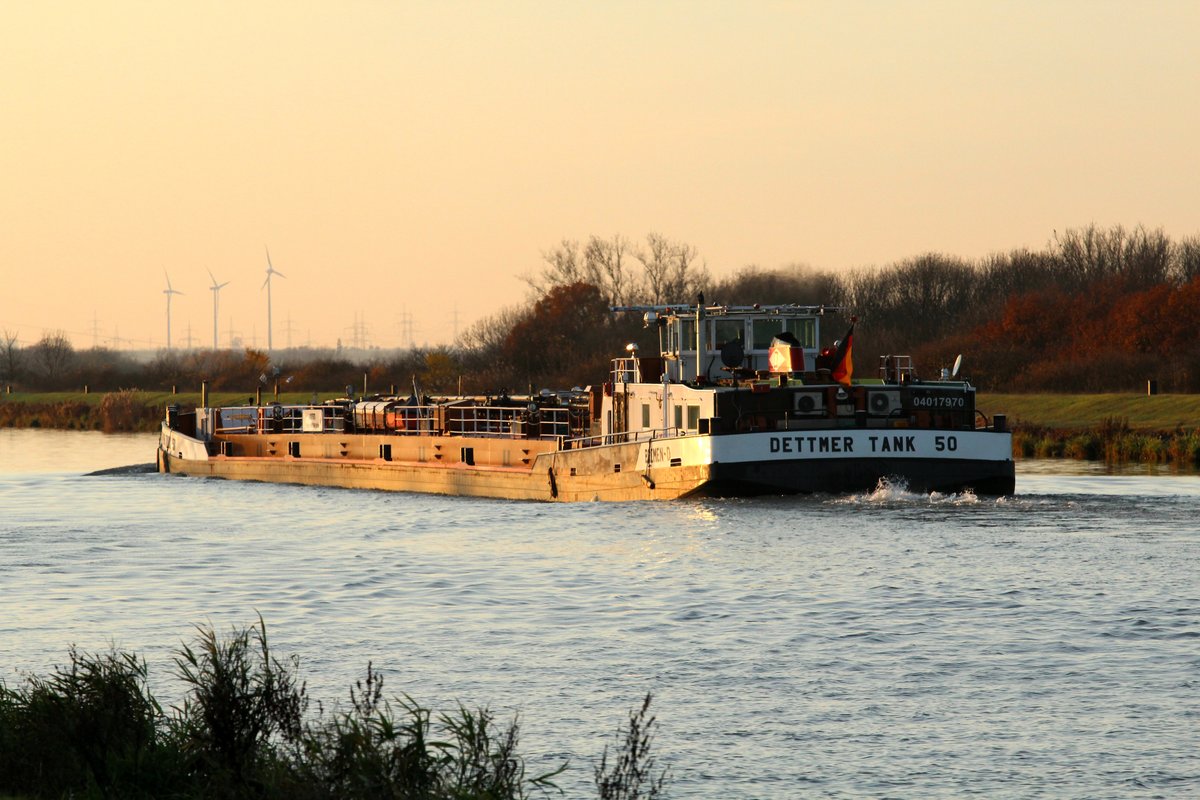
x=739, y=401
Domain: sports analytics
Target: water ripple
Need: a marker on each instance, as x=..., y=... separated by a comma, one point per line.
x=881, y=644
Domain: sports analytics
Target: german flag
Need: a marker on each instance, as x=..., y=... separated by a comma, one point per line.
x=843, y=361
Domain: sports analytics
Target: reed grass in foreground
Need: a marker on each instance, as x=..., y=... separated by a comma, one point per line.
x=92, y=729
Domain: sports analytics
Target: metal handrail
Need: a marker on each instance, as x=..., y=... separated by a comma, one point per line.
x=626, y=437
x=472, y=420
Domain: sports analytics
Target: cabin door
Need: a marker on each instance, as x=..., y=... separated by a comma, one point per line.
x=620, y=420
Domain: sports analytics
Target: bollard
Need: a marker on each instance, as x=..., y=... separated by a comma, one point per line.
x=1151, y=388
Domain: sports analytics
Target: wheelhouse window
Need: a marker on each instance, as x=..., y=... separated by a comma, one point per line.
x=805, y=331
x=726, y=330
x=682, y=335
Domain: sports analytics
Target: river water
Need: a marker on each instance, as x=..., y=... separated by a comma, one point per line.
x=881, y=645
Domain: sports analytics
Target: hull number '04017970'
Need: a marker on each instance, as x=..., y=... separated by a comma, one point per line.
x=939, y=401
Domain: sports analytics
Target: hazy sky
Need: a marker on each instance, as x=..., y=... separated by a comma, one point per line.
x=408, y=158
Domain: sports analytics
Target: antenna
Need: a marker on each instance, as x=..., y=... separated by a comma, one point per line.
x=957, y=366
x=267, y=285
x=168, y=292
x=216, y=290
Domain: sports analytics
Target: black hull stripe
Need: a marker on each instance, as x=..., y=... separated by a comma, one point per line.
x=839, y=476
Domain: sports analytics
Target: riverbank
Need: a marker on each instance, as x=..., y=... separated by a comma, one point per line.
x=126, y=411
x=1118, y=428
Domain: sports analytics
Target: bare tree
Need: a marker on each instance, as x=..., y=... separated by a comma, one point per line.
x=686, y=278
x=669, y=270
x=52, y=356
x=563, y=265
x=1187, y=260
x=10, y=355
x=793, y=284
x=656, y=263
x=1091, y=254
x=604, y=267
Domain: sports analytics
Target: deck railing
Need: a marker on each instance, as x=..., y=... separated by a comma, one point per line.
x=627, y=437
x=512, y=422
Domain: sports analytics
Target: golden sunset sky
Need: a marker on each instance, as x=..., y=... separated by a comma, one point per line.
x=410, y=160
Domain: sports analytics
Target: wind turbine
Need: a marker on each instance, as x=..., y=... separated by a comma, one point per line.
x=216, y=290
x=267, y=285
x=168, y=292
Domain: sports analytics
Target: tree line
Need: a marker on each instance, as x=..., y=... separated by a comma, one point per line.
x=1095, y=309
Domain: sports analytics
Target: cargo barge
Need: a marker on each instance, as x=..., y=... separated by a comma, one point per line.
x=739, y=401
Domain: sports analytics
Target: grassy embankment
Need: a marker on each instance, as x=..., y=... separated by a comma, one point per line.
x=1162, y=429
x=1159, y=429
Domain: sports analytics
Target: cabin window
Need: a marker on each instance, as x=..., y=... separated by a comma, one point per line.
x=678, y=416
x=805, y=331
x=693, y=417
x=645, y=415
x=726, y=330
x=683, y=335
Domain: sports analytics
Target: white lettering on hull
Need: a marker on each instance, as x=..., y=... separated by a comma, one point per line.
x=817, y=445
x=936, y=445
